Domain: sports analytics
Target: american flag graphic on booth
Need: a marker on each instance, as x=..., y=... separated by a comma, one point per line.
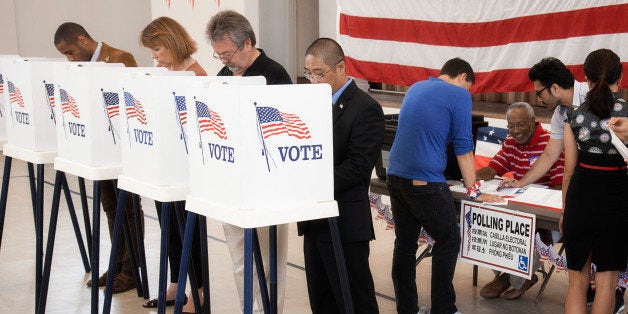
x=274, y=122
x=50, y=91
x=181, y=109
x=134, y=108
x=15, y=94
x=209, y=120
x=112, y=101
x=1, y=84
x=68, y=104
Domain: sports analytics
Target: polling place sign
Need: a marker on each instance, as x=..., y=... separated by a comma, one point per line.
x=497, y=238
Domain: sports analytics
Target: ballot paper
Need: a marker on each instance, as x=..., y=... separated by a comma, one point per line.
x=541, y=197
x=490, y=187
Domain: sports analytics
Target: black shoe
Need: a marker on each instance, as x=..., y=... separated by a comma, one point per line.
x=619, y=301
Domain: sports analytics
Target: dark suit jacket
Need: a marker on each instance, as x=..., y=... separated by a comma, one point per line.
x=358, y=136
x=109, y=54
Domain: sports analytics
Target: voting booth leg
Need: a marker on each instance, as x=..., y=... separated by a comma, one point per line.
x=140, y=244
x=120, y=223
x=273, y=268
x=95, y=245
x=261, y=274
x=178, y=209
x=75, y=223
x=85, y=207
x=549, y=275
x=185, y=261
x=60, y=183
x=54, y=214
x=202, y=222
x=475, y=275
x=248, y=271
x=342, y=266
x=5, y=190
x=39, y=230
x=117, y=228
x=427, y=252
x=131, y=250
x=163, y=257
x=31, y=184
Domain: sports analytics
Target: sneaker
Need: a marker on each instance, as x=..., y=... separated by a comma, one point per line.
x=619, y=301
x=496, y=287
x=423, y=310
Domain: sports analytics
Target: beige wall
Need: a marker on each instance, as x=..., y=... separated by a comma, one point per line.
x=284, y=27
x=28, y=26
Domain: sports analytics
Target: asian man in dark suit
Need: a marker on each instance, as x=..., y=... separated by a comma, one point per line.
x=358, y=122
x=73, y=41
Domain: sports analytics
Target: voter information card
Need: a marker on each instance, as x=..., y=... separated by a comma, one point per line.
x=497, y=238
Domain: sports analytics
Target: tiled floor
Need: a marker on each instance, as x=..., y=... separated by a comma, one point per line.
x=67, y=284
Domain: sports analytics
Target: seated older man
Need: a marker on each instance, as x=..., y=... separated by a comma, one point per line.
x=525, y=143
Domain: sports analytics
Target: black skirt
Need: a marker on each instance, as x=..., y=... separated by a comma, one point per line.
x=596, y=219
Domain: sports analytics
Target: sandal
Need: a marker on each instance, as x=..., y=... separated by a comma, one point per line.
x=154, y=303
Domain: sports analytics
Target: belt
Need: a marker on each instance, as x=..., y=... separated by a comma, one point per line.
x=603, y=168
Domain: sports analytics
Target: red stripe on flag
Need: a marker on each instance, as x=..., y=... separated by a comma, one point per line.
x=506, y=80
x=590, y=21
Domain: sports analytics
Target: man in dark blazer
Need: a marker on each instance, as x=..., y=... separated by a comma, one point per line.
x=358, y=135
x=73, y=41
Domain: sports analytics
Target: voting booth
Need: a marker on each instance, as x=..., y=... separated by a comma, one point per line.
x=31, y=123
x=261, y=155
x=88, y=118
x=155, y=142
x=3, y=102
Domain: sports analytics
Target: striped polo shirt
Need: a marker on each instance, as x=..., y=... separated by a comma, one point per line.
x=518, y=159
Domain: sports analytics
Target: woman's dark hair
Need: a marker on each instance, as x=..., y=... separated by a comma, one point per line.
x=602, y=68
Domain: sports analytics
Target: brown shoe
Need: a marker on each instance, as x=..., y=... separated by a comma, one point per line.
x=123, y=282
x=517, y=293
x=102, y=281
x=496, y=287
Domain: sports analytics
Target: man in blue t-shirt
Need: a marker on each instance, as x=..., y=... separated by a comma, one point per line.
x=434, y=113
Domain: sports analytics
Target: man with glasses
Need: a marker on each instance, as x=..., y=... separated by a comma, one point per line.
x=233, y=41
x=519, y=152
x=358, y=122
x=556, y=88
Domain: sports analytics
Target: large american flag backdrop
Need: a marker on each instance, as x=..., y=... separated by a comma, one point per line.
x=402, y=41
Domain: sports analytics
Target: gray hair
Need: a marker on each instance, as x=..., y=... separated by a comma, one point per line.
x=232, y=24
x=521, y=105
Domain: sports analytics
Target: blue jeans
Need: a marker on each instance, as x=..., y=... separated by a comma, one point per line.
x=431, y=207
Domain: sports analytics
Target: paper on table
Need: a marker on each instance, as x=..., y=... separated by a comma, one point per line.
x=490, y=187
x=541, y=197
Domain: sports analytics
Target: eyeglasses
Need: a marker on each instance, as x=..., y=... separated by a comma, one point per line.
x=520, y=125
x=538, y=92
x=318, y=76
x=226, y=55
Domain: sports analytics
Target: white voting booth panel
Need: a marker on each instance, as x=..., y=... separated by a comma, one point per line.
x=31, y=125
x=261, y=155
x=155, y=143
x=88, y=120
x=3, y=102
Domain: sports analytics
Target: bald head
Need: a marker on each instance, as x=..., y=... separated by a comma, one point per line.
x=327, y=49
